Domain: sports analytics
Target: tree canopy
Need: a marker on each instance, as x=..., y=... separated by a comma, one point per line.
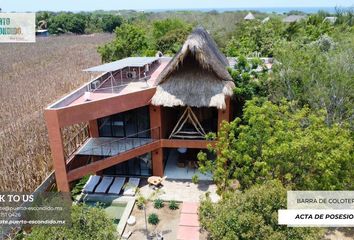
x=279, y=141
x=87, y=223
x=252, y=215
x=130, y=40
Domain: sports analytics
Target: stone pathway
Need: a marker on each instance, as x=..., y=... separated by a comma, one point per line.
x=189, y=227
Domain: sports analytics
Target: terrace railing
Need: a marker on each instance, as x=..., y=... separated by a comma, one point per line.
x=76, y=142
x=115, y=147
x=113, y=85
x=120, y=145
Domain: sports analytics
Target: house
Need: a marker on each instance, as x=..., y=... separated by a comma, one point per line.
x=42, y=33
x=249, y=16
x=266, y=20
x=330, y=19
x=140, y=111
x=293, y=18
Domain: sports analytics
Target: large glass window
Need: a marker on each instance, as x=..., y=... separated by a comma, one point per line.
x=138, y=166
x=126, y=124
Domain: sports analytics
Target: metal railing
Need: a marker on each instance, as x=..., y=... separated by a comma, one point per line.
x=112, y=85
x=120, y=145
x=76, y=142
x=115, y=147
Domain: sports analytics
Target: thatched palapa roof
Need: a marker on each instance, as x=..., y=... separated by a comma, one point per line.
x=196, y=76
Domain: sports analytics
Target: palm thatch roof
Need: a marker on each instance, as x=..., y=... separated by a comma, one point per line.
x=249, y=16
x=196, y=76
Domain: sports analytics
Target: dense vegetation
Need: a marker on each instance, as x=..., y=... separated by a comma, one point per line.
x=165, y=36
x=86, y=223
x=79, y=23
x=252, y=215
x=296, y=124
x=272, y=141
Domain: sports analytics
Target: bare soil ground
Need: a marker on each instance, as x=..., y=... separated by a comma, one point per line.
x=32, y=75
x=168, y=225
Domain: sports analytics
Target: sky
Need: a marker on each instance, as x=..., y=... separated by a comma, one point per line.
x=89, y=5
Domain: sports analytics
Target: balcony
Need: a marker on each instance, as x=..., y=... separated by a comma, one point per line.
x=109, y=146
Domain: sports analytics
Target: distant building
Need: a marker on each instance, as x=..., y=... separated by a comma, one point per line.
x=330, y=19
x=249, y=16
x=293, y=18
x=266, y=20
x=42, y=33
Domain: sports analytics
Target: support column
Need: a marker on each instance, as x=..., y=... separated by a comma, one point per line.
x=57, y=150
x=224, y=114
x=155, y=121
x=156, y=133
x=93, y=128
x=157, y=162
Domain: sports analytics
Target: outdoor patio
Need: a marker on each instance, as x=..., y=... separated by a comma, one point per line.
x=172, y=171
x=182, y=190
x=180, y=224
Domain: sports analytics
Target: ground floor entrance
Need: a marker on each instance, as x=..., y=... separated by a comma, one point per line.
x=181, y=164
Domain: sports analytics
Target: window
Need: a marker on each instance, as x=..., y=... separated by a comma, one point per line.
x=139, y=166
x=133, y=123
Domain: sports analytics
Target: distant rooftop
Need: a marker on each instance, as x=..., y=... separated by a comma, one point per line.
x=123, y=63
x=293, y=18
x=249, y=16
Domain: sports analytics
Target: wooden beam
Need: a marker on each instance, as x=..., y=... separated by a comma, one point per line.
x=179, y=143
x=224, y=114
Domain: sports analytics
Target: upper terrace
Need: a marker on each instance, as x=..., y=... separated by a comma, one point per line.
x=121, y=77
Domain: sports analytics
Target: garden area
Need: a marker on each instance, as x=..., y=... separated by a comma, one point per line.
x=160, y=218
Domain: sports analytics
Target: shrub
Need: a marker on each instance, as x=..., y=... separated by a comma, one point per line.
x=173, y=205
x=140, y=202
x=158, y=203
x=79, y=186
x=87, y=223
x=153, y=219
x=251, y=215
x=195, y=179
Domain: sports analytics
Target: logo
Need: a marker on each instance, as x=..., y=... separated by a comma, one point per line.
x=17, y=27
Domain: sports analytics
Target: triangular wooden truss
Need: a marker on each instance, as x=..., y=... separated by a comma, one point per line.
x=188, y=115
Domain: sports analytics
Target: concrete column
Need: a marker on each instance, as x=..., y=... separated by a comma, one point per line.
x=157, y=162
x=93, y=128
x=156, y=125
x=57, y=150
x=224, y=114
x=155, y=121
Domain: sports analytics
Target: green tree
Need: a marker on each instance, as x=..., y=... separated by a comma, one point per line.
x=272, y=141
x=252, y=215
x=67, y=22
x=130, y=40
x=249, y=76
x=320, y=74
x=252, y=37
x=87, y=223
x=169, y=34
x=111, y=22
